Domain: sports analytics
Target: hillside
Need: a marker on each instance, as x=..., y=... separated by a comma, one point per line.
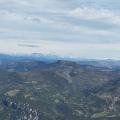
x=61, y=90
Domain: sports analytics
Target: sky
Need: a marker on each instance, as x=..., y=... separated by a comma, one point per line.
x=78, y=28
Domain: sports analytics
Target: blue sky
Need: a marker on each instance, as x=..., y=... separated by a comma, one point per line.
x=82, y=28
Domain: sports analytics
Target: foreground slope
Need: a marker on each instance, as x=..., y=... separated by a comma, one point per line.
x=63, y=90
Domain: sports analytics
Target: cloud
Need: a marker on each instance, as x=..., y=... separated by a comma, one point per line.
x=90, y=31
x=5, y=15
x=88, y=13
x=40, y=19
x=17, y=2
x=58, y=22
x=83, y=50
x=28, y=45
x=5, y=30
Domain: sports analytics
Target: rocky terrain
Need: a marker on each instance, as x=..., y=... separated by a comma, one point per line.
x=61, y=90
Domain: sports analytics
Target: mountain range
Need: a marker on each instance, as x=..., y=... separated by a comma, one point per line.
x=36, y=89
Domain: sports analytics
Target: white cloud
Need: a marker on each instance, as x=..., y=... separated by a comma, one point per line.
x=21, y=2
x=95, y=32
x=90, y=13
x=54, y=47
x=5, y=15
x=5, y=30
x=104, y=15
x=83, y=30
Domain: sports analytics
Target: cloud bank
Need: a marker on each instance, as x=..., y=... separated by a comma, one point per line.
x=86, y=27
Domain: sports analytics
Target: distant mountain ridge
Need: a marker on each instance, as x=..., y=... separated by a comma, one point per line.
x=107, y=63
